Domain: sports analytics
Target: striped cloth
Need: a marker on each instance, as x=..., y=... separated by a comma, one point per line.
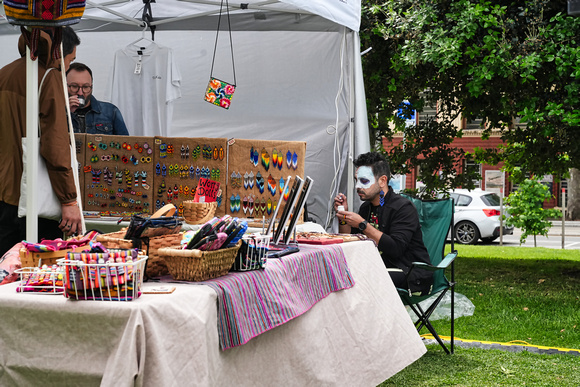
x=254, y=302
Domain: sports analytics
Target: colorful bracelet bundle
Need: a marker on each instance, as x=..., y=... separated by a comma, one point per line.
x=47, y=279
x=115, y=275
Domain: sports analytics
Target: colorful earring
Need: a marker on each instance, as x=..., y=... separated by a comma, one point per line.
x=265, y=159
x=251, y=205
x=281, y=185
x=294, y=161
x=289, y=159
x=382, y=198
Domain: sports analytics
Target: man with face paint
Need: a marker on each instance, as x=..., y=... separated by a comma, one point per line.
x=390, y=220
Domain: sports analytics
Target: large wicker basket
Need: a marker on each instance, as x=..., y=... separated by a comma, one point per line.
x=198, y=213
x=156, y=266
x=197, y=265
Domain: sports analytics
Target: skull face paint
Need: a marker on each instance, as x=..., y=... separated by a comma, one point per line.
x=364, y=177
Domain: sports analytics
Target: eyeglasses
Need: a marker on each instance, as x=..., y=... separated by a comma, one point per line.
x=75, y=88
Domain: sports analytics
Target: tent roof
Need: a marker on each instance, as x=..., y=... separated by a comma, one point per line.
x=164, y=12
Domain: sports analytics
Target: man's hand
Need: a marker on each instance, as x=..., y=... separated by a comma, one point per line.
x=71, y=222
x=73, y=101
x=340, y=200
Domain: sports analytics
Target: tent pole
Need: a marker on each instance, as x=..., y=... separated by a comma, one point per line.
x=351, y=127
x=32, y=146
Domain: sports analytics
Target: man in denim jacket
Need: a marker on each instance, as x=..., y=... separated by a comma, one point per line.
x=88, y=114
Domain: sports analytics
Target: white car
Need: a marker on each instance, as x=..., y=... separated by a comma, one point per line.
x=477, y=216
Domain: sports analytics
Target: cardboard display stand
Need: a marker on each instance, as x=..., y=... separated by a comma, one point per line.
x=123, y=175
x=118, y=174
x=257, y=170
x=179, y=164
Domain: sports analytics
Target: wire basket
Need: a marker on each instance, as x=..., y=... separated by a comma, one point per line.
x=252, y=253
x=198, y=213
x=112, y=276
x=45, y=280
x=197, y=265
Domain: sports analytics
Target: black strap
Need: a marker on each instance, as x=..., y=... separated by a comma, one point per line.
x=216, y=40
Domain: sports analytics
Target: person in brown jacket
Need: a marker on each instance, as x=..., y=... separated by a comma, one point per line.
x=54, y=141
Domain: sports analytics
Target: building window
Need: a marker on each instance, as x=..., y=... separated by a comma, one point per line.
x=472, y=166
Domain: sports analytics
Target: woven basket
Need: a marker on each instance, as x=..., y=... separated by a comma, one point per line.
x=114, y=240
x=197, y=265
x=156, y=266
x=198, y=213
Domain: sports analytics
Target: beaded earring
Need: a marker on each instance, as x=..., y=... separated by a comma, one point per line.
x=381, y=198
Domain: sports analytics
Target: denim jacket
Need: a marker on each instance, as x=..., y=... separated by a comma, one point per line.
x=102, y=118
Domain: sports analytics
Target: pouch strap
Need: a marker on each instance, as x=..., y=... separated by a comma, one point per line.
x=216, y=40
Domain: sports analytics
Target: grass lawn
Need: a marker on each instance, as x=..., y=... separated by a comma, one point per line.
x=519, y=293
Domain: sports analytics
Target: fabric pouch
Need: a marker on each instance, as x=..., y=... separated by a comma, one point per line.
x=219, y=93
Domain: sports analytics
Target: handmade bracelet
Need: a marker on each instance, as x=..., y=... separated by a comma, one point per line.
x=70, y=204
x=342, y=222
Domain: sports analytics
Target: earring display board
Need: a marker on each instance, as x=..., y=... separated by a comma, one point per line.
x=118, y=173
x=257, y=174
x=181, y=162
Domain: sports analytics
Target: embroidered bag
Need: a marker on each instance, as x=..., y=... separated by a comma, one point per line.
x=51, y=14
x=220, y=92
x=44, y=13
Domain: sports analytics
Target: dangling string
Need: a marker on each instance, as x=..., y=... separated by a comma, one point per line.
x=216, y=40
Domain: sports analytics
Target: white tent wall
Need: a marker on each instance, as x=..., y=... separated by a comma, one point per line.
x=298, y=78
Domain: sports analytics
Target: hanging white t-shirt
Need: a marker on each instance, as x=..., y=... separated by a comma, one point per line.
x=144, y=84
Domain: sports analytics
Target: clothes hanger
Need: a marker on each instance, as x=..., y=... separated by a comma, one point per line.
x=141, y=39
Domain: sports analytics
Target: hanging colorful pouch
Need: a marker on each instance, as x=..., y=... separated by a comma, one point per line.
x=51, y=14
x=219, y=92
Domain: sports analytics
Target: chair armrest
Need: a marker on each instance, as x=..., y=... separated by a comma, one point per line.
x=442, y=265
x=447, y=260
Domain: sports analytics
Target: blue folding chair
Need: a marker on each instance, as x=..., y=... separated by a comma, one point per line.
x=436, y=218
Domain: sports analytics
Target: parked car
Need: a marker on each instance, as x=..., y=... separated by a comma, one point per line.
x=477, y=216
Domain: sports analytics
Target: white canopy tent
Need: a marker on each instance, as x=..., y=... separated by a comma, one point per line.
x=298, y=70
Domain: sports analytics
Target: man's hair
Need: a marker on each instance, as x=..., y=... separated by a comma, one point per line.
x=80, y=67
x=377, y=162
x=69, y=40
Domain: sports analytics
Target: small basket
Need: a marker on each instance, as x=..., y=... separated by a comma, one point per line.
x=252, y=253
x=114, y=240
x=198, y=213
x=197, y=265
x=156, y=266
x=49, y=258
x=41, y=280
x=118, y=281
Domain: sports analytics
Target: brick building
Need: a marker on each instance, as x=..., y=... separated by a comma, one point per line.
x=472, y=139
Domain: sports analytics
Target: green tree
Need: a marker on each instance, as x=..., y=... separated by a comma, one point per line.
x=526, y=211
x=499, y=61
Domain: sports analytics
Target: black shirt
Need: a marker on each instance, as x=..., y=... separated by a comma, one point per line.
x=402, y=239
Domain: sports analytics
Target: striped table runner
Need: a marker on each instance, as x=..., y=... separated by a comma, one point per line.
x=254, y=302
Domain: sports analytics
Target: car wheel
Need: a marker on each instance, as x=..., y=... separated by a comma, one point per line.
x=488, y=240
x=466, y=233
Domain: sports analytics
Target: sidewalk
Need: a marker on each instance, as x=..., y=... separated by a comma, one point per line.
x=571, y=227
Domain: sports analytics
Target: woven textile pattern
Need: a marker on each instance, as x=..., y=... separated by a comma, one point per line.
x=254, y=302
x=44, y=13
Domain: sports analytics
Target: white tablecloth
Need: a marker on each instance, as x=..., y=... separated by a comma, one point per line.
x=355, y=337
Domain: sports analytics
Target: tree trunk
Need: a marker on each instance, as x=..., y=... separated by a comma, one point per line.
x=573, y=200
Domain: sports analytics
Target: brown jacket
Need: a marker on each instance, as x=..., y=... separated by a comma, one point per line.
x=54, y=138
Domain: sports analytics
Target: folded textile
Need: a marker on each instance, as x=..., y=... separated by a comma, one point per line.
x=251, y=303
